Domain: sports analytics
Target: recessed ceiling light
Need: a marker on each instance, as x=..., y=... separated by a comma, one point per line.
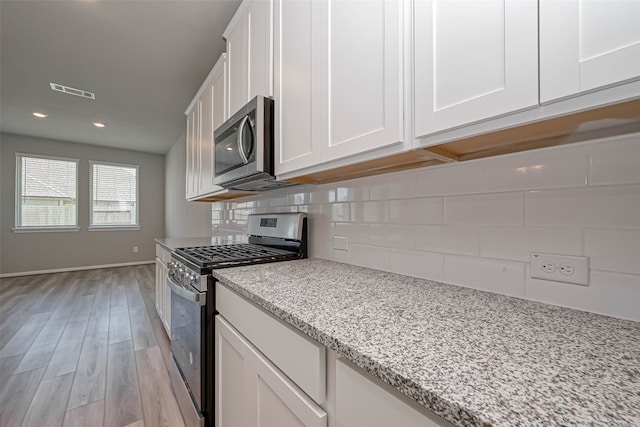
x=98, y=124
x=40, y=115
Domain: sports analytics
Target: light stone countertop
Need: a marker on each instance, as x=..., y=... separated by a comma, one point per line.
x=473, y=357
x=221, y=238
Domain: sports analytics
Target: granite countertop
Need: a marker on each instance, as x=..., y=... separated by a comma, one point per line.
x=171, y=243
x=473, y=357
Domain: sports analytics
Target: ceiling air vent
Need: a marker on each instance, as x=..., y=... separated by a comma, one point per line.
x=72, y=91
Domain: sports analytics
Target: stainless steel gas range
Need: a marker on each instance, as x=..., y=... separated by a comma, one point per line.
x=272, y=238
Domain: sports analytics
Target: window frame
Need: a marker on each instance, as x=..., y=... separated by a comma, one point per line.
x=108, y=227
x=18, y=185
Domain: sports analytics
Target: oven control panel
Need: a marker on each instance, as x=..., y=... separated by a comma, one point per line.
x=182, y=275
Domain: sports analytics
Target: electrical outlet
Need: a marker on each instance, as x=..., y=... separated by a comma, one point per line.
x=135, y=249
x=560, y=268
x=340, y=243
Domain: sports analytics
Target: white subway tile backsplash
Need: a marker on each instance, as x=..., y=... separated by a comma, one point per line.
x=391, y=236
x=613, y=250
x=543, y=169
x=352, y=193
x=611, y=206
x=339, y=256
x=517, y=243
x=280, y=200
x=463, y=178
x=417, y=211
x=370, y=212
x=357, y=233
x=370, y=256
x=400, y=185
x=299, y=198
x=485, y=209
x=340, y=212
x=318, y=249
x=447, y=239
x=425, y=265
x=612, y=294
x=476, y=223
x=503, y=277
x=615, y=161
x=322, y=194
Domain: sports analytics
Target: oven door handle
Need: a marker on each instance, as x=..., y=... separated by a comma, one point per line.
x=182, y=292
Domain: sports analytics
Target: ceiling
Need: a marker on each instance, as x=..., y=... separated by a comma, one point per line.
x=144, y=60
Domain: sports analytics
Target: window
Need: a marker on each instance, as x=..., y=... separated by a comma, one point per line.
x=46, y=192
x=114, y=195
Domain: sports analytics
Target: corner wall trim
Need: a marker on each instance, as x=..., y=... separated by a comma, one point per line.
x=62, y=270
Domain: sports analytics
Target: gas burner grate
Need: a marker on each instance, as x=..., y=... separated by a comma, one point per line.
x=233, y=255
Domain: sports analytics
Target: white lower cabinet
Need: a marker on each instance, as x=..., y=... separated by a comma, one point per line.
x=268, y=374
x=163, y=293
x=362, y=402
x=252, y=391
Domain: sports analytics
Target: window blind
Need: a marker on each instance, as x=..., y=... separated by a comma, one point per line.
x=46, y=192
x=114, y=195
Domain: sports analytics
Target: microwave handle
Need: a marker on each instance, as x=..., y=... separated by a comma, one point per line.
x=243, y=155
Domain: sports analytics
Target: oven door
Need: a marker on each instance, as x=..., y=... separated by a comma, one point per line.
x=188, y=315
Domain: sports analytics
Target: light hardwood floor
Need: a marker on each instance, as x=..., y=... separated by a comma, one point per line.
x=83, y=349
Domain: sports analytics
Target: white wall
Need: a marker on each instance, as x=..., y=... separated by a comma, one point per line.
x=476, y=223
x=38, y=251
x=183, y=219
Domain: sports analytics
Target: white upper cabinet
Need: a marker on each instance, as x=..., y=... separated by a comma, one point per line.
x=587, y=44
x=213, y=114
x=250, y=53
x=207, y=111
x=363, y=76
x=473, y=60
x=338, y=79
x=193, y=146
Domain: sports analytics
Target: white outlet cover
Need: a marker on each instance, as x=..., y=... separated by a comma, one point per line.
x=568, y=269
x=340, y=243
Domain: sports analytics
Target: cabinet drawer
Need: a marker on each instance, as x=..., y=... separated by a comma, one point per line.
x=162, y=254
x=302, y=359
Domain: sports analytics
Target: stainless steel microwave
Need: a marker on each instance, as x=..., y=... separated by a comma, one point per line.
x=244, y=149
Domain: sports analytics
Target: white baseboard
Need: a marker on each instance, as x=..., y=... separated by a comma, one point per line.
x=62, y=270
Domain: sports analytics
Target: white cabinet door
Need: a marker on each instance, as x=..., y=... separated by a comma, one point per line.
x=213, y=114
x=296, y=130
x=237, y=63
x=206, y=152
x=193, y=145
x=279, y=402
x=163, y=295
x=260, y=49
x=249, y=53
x=166, y=321
x=361, y=402
x=587, y=44
x=473, y=60
x=362, y=75
x=252, y=392
x=207, y=111
x=159, y=289
x=232, y=385
x=338, y=79
x=219, y=89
